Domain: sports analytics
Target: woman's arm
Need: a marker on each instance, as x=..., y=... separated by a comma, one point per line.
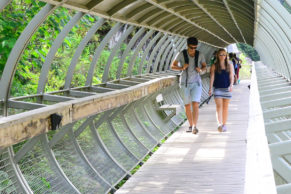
x=231, y=77
x=212, y=70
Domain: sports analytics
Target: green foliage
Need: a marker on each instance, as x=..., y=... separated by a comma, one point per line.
x=248, y=51
x=285, y=4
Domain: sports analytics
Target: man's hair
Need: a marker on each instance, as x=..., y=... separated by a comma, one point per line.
x=192, y=40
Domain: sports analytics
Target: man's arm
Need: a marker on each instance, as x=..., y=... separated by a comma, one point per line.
x=175, y=66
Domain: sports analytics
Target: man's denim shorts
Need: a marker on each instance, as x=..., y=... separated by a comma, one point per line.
x=192, y=93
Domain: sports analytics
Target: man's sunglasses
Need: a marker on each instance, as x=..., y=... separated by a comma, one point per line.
x=192, y=47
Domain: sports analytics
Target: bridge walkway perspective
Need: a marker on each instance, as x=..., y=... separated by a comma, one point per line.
x=210, y=162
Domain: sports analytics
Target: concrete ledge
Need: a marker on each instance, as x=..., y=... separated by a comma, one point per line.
x=259, y=171
x=16, y=128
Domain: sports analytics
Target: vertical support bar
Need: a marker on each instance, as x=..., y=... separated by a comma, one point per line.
x=16, y=52
x=55, y=46
x=153, y=53
x=79, y=51
x=128, y=48
x=98, y=53
x=147, y=51
x=166, y=53
x=168, y=62
x=4, y=3
x=132, y=61
x=114, y=50
x=161, y=51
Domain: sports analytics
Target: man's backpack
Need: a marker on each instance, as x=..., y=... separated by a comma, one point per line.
x=186, y=59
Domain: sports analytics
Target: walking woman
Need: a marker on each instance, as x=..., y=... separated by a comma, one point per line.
x=221, y=78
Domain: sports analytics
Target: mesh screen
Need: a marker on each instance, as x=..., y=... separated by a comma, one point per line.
x=153, y=130
x=39, y=175
x=166, y=127
x=178, y=118
x=139, y=132
x=118, y=151
x=8, y=182
x=128, y=139
x=98, y=158
x=78, y=172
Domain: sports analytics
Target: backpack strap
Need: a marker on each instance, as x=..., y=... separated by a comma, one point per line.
x=196, y=58
x=186, y=59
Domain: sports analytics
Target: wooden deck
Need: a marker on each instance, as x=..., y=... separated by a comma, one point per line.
x=210, y=162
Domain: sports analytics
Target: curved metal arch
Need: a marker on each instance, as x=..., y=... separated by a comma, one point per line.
x=86, y=160
x=99, y=141
x=267, y=45
x=147, y=51
x=128, y=48
x=53, y=162
x=171, y=56
x=132, y=133
x=175, y=4
x=138, y=10
x=189, y=21
x=278, y=48
x=98, y=51
x=213, y=18
x=174, y=25
x=159, y=17
x=167, y=52
x=268, y=7
x=111, y=127
x=51, y=54
x=161, y=51
x=79, y=51
x=157, y=46
x=3, y=4
x=112, y=54
x=139, y=46
x=278, y=34
x=182, y=45
x=18, y=174
x=148, y=15
x=16, y=52
x=166, y=21
x=119, y=6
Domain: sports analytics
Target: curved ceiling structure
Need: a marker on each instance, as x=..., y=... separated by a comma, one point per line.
x=216, y=22
x=109, y=121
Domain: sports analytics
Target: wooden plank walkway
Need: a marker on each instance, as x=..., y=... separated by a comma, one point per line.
x=210, y=162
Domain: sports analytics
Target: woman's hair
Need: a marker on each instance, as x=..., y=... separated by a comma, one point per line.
x=217, y=62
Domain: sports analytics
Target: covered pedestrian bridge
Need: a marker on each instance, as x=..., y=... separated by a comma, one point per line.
x=119, y=101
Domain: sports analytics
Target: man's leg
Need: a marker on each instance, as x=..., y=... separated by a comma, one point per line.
x=186, y=100
x=195, y=106
x=189, y=114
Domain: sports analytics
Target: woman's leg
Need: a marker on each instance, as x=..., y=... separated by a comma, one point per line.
x=218, y=102
x=225, y=110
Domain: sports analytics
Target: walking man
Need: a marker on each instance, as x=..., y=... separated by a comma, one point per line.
x=191, y=62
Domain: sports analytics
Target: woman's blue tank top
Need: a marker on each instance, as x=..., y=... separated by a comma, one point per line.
x=221, y=80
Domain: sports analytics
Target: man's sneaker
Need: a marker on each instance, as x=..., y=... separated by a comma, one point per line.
x=189, y=129
x=219, y=128
x=195, y=130
x=223, y=128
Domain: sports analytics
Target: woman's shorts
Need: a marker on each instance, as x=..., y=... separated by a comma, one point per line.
x=222, y=93
x=192, y=93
